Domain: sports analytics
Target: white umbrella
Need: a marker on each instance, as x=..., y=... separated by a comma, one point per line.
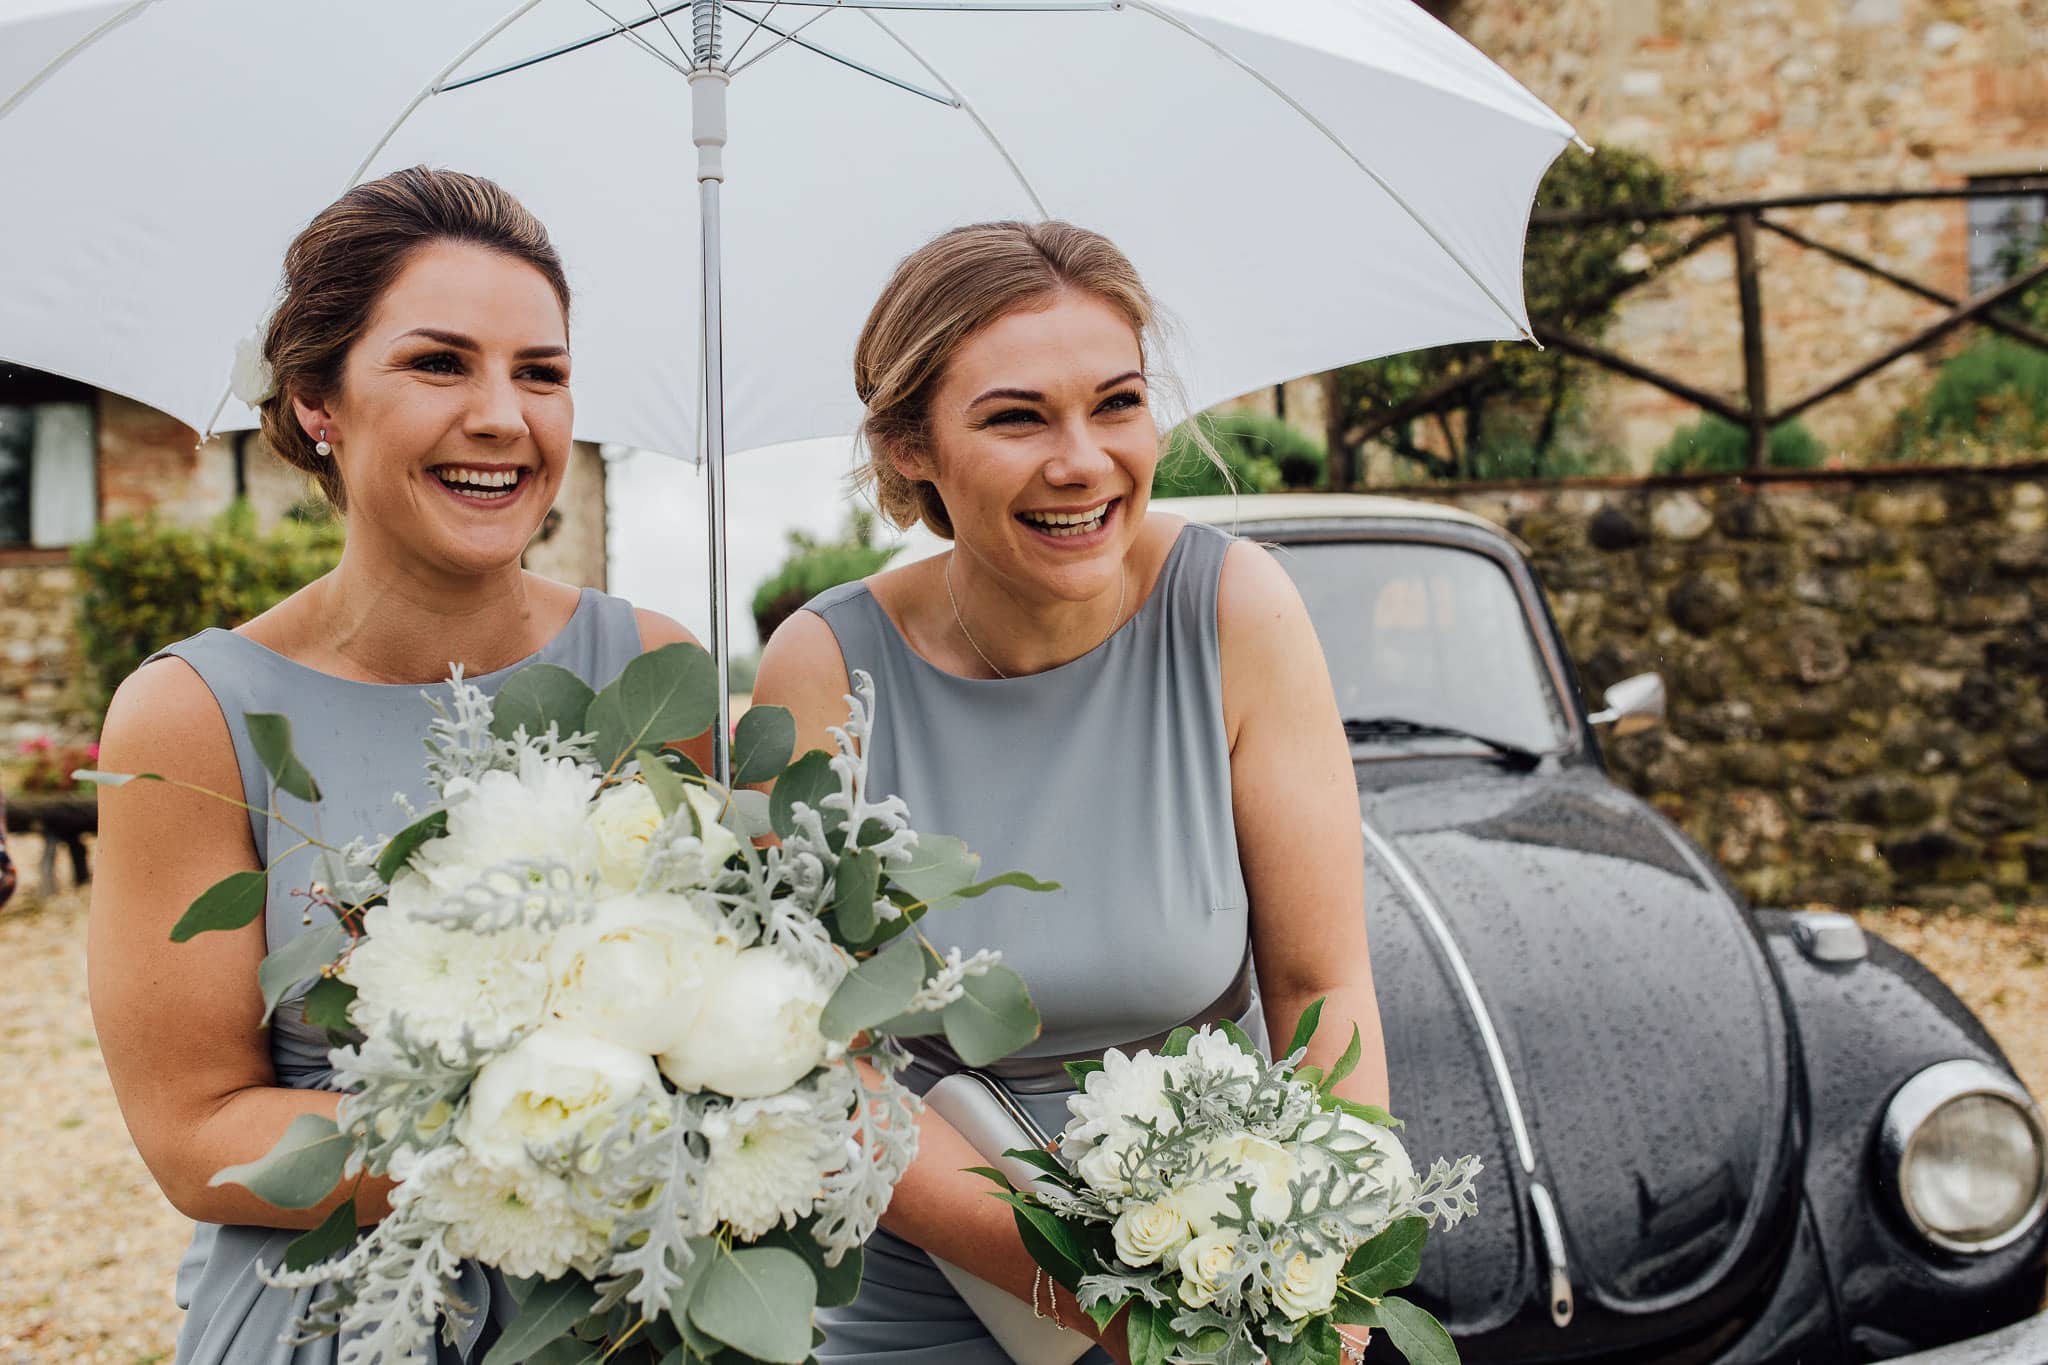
x=1305, y=183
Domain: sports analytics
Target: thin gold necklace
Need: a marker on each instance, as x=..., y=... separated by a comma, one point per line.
x=1122, y=590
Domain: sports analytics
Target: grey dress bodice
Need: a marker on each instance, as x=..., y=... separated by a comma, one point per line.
x=1109, y=775
x=362, y=743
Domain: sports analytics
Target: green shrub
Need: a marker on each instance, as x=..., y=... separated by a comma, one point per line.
x=143, y=586
x=1513, y=455
x=1995, y=390
x=813, y=566
x=1715, y=445
x=1264, y=455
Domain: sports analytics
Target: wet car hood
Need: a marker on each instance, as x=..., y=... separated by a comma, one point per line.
x=1640, y=1027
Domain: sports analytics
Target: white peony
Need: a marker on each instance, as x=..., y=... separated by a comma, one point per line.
x=542, y=813
x=446, y=982
x=767, y=1162
x=1263, y=1164
x=1309, y=1285
x=1363, y=1146
x=1148, y=1233
x=623, y=822
x=757, y=1031
x=635, y=972
x=522, y=1221
x=558, y=1084
x=1204, y=1265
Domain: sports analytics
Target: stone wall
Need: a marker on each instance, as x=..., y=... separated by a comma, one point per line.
x=1857, y=669
x=38, y=656
x=1788, y=96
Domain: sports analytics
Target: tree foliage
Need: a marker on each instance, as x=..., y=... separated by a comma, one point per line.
x=813, y=565
x=1262, y=454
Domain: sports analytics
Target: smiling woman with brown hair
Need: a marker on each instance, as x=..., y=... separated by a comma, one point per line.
x=1129, y=704
x=420, y=354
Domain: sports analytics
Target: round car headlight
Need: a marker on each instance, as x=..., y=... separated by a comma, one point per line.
x=1970, y=1156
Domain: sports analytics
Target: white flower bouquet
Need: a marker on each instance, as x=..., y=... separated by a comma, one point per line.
x=604, y=1043
x=1238, y=1209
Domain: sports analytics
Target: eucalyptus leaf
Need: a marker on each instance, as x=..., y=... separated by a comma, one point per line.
x=1023, y=881
x=1149, y=1333
x=837, y=1284
x=230, y=903
x=300, y=1171
x=407, y=842
x=1176, y=1044
x=1305, y=1027
x=303, y=956
x=762, y=744
x=853, y=898
x=936, y=869
x=1347, y=1063
x=1079, y=1072
x=336, y=1231
x=1415, y=1334
x=703, y=1250
x=538, y=695
x=923, y=1024
x=272, y=737
x=877, y=989
x=1389, y=1261
x=992, y=1019
x=808, y=780
x=327, y=1004
x=665, y=695
x=548, y=1314
x=662, y=783
x=758, y=1300
x=748, y=814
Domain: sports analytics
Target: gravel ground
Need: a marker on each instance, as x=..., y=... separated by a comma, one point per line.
x=89, y=1244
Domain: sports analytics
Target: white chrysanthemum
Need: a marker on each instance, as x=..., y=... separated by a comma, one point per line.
x=540, y=813
x=1217, y=1055
x=635, y=973
x=1125, y=1090
x=767, y=1162
x=523, y=1221
x=446, y=982
x=558, y=1084
x=757, y=1033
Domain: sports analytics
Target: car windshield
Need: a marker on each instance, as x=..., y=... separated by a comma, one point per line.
x=1424, y=639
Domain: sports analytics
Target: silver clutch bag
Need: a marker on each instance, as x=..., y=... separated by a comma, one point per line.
x=993, y=1122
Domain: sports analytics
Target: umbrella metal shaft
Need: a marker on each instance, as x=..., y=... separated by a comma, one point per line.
x=707, y=91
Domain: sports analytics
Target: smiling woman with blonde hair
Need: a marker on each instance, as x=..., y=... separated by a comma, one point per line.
x=420, y=354
x=1121, y=701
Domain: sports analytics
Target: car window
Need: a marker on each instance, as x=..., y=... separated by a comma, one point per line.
x=1427, y=633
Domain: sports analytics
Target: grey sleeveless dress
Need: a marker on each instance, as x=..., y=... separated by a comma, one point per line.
x=1110, y=775
x=361, y=741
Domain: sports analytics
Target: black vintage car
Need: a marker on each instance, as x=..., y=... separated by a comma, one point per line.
x=1712, y=1133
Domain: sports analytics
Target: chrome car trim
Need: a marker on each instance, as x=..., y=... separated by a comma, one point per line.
x=1915, y=1102
x=1551, y=1230
x=1828, y=936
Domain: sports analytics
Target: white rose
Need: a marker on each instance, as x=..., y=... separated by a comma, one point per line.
x=1309, y=1285
x=446, y=983
x=634, y=973
x=540, y=813
x=623, y=822
x=757, y=1032
x=1204, y=1263
x=1261, y=1163
x=1102, y=1167
x=558, y=1083
x=1147, y=1233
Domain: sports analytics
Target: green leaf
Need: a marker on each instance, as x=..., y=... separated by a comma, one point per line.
x=990, y=1173
x=1347, y=1063
x=1041, y=1160
x=1371, y=1113
x=1051, y=1241
x=1176, y=1044
x=230, y=903
x=837, y=1284
x=300, y=958
x=1079, y=1072
x=747, y=816
x=939, y=866
x=1389, y=1261
x=1309, y=1075
x=272, y=736
x=992, y=1019
x=1305, y=1027
x=758, y=1300
x=1317, y=1343
x=1150, y=1334
x=336, y=1231
x=853, y=897
x=683, y=766
x=1022, y=880
x=1239, y=1037
x=1415, y=1334
x=547, y=1315
x=566, y=1351
x=536, y=695
x=808, y=780
x=923, y=1024
x=875, y=990
x=662, y=783
x=703, y=1250
x=300, y=1171
x=762, y=744
x=663, y=696
x=407, y=842
x=327, y=1004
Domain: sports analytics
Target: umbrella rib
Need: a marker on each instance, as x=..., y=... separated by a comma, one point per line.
x=618, y=29
x=1147, y=7
x=778, y=44
x=826, y=52
x=966, y=106
x=63, y=59
x=752, y=33
x=631, y=33
x=655, y=9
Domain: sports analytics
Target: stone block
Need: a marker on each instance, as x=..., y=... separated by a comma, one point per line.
x=1613, y=528
x=1803, y=646
x=1808, y=716
x=1681, y=517
x=1853, y=542
x=1995, y=803
x=1753, y=765
x=2022, y=554
x=2029, y=753
x=1980, y=702
x=1904, y=508
x=1703, y=605
x=1748, y=517
x=1807, y=511
x=1849, y=756
x=1888, y=800
x=1989, y=611
x=1717, y=722
x=1936, y=855
x=1835, y=589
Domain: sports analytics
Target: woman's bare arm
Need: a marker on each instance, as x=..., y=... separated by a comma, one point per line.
x=1296, y=805
x=657, y=630
x=180, y=1024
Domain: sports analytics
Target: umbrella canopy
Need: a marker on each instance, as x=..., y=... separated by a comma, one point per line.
x=1302, y=184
